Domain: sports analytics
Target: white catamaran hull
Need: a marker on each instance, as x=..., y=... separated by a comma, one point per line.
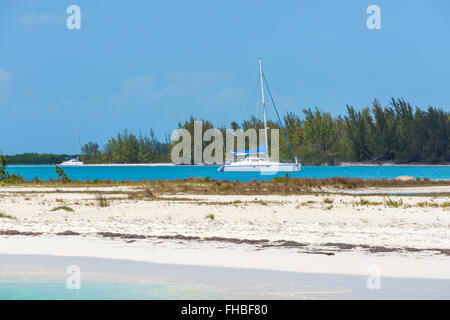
x=263, y=169
x=71, y=163
x=252, y=161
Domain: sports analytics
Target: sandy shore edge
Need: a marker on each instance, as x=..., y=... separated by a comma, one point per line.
x=162, y=164
x=349, y=263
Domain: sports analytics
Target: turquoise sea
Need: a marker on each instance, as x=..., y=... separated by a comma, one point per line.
x=49, y=289
x=120, y=173
x=44, y=277
x=305, y=287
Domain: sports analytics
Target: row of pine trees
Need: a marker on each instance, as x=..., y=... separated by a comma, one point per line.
x=397, y=133
x=127, y=147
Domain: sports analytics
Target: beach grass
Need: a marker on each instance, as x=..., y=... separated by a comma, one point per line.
x=428, y=204
x=304, y=204
x=392, y=203
x=151, y=190
x=227, y=186
x=210, y=216
x=65, y=208
x=6, y=216
x=145, y=194
x=445, y=204
x=102, y=201
x=365, y=202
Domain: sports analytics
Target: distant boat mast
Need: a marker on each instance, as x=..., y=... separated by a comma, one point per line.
x=78, y=141
x=261, y=80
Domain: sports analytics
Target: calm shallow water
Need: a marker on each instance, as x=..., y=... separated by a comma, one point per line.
x=48, y=289
x=134, y=173
x=44, y=277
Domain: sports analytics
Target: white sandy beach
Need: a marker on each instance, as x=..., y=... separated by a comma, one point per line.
x=43, y=277
x=231, y=256
x=303, y=233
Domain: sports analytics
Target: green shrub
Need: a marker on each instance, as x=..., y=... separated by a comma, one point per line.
x=62, y=176
x=65, y=208
x=392, y=203
x=6, y=216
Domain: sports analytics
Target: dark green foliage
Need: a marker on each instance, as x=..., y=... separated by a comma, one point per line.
x=435, y=137
x=3, y=164
x=253, y=122
x=286, y=178
x=91, y=153
x=359, y=128
x=127, y=148
x=383, y=132
x=65, y=208
x=36, y=158
x=398, y=133
x=320, y=136
x=6, y=177
x=234, y=125
x=62, y=176
x=13, y=178
x=189, y=126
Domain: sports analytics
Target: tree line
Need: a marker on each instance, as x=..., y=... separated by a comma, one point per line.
x=127, y=147
x=397, y=133
x=37, y=158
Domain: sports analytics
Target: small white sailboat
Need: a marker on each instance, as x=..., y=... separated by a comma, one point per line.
x=73, y=161
x=253, y=161
x=255, y=164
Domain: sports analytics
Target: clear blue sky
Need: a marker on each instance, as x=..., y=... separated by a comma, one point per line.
x=151, y=64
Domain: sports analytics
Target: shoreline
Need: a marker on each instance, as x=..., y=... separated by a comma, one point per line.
x=244, y=257
x=37, y=277
x=344, y=164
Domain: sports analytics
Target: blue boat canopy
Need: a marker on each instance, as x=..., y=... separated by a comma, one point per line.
x=259, y=150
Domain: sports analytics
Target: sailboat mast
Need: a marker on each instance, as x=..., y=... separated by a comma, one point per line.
x=78, y=141
x=263, y=103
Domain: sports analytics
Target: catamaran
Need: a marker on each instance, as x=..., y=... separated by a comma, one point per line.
x=74, y=161
x=258, y=159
